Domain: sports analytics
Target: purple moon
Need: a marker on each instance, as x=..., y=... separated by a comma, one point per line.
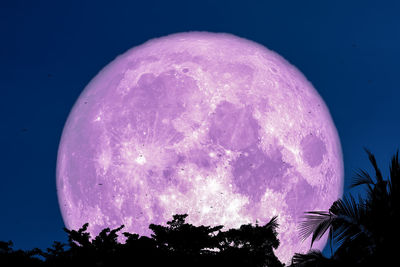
x=208, y=124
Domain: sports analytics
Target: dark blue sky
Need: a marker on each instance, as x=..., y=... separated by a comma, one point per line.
x=50, y=50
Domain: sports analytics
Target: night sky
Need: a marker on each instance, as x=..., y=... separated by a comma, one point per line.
x=49, y=51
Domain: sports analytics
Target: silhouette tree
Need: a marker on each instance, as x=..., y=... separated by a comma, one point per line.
x=10, y=257
x=362, y=230
x=182, y=237
x=176, y=244
x=253, y=244
x=56, y=250
x=142, y=249
x=189, y=245
x=79, y=238
x=313, y=258
x=6, y=247
x=184, y=244
x=103, y=250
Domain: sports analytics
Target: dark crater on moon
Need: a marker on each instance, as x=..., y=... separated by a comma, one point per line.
x=254, y=171
x=161, y=93
x=232, y=127
x=300, y=197
x=150, y=105
x=313, y=150
x=200, y=158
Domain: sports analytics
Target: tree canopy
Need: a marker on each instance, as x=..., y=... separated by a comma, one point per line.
x=176, y=244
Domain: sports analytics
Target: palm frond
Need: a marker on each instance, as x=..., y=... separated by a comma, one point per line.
x=372, y=159
x=315, y=223
x=343, y=233
x=350, y=208
x=362, y=177
x=330, y=239
x=313, y=256
x=394, y=181
x=343, y=221
x=348, y=218
x=273, y=223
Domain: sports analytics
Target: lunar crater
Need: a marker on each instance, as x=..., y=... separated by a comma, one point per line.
x=313, y=150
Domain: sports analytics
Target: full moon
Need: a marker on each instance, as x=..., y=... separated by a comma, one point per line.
x=208, y=124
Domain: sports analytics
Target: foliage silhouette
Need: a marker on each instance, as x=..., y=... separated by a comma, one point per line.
x=313, y=258
x=181, y=237
x=257, y=242
x=363, y=230
x=177, y=244
x=8, y=256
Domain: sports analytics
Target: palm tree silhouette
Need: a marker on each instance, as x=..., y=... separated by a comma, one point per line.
x=312, y=258
x=363, y=229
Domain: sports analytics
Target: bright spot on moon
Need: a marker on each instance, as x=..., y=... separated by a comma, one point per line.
x=208, y=124
x=141, y=160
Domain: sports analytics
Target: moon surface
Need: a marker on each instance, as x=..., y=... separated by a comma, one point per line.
x=208, y=124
